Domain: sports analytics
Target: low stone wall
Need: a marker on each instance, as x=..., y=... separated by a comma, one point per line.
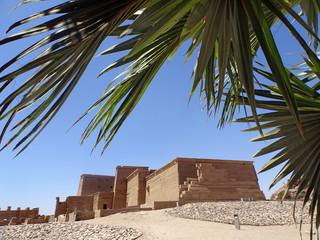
x=35, y=221
x=105, y=212
x=51, y=218
x=4, y=223
x=62, y=218
x=18, y=216
x=164, y=204
x=163, y=184
x=80, y=216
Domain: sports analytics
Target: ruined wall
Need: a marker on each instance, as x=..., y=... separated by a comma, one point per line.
x=120, y=185
x=102, y=200
x=19, y=215
x=90, y=184
x=36, y=221
x=61, y=207
x=81, y=203
x=163, y=184
x=79, y=216
x=136, y=187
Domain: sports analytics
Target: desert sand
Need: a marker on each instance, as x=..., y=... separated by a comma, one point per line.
x=158, y=224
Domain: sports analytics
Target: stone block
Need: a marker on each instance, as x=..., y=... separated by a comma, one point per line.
x=35, y=221
x=164, y=204
x=78, y=216
x=62, y=218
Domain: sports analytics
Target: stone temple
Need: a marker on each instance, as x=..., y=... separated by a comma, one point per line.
x=181, y=181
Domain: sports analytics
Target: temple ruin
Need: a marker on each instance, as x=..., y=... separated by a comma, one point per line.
x=19, y=216
x=181, y=181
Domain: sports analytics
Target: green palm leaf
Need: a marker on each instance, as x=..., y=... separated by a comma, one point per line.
x=228, y=33
x=300, y=155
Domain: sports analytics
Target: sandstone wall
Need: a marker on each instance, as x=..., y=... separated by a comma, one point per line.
x=186, y=168
x=61, y=207
x=19, y=215
x=163, y=184
x=120, y=186
x=136, y=188
x=90, y=184
x=35, y=221
x=219, y=180
x=81, y=203
x=102, y=200
x=79, y=216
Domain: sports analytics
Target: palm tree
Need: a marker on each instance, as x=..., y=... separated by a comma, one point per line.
x=226, y=34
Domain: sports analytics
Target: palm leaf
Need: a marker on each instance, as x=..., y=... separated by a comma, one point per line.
x=301, y=156
x=70, y=48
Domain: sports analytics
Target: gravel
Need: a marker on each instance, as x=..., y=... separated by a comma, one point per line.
x=257, y=213
x=66, y=231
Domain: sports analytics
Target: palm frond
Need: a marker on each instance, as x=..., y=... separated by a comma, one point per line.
x=300, y=155
x=79, y=30
x=226, y=33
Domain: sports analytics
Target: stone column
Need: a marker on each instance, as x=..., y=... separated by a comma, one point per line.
x=9, y=212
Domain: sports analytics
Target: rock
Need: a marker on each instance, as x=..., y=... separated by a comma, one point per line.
x=66, y=231
x=291, y=194
x=257, y=213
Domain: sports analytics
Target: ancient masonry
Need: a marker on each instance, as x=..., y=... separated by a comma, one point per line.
x=183, y=180
x=27, y=216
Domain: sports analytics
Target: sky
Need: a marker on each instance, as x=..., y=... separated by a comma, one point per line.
x=163, y=126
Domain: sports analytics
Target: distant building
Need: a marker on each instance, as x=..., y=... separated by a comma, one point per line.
x=183, y=180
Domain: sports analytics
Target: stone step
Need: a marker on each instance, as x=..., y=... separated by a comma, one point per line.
x=183, y=188
x=185, y=201
x=189, y=180
x=221, y=188
x=216, y=179
x=239, y=184
x=211, y=190
x=219, y=195
x=192, y=179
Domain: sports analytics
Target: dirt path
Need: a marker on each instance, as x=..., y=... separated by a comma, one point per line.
x=158, y=225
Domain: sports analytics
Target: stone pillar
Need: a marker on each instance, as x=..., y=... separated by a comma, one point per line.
x=57, y=210
x=27, y=212
x=18, y=213
x=36, y=212
x=9, y=212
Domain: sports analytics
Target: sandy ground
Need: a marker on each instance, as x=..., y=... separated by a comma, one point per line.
x=159, y=225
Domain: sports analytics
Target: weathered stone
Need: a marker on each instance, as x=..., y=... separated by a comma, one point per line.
x=258, y=213
x=291, y=194
x=16, y=217
x=67, y=231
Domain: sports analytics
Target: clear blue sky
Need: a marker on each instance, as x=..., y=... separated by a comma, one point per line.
x=162, y=127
